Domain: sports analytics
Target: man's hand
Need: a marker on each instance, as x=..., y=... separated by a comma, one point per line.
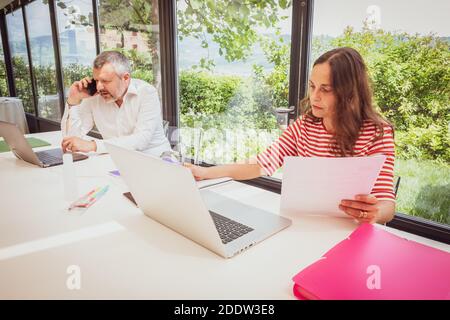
x=78, y=91
x=74, y=144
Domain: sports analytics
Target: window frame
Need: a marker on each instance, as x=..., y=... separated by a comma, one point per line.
x=300, y=50
x=7, y=55
x=57, y=55
x=302, y=19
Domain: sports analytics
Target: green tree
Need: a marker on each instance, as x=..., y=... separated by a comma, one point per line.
x=232, y=23
x=3, y=84
x=129, y=16
x=23, y=83
x=410, y=78
x=138, y=16
x=276, y=82
x=411, y=83
x=212, y=101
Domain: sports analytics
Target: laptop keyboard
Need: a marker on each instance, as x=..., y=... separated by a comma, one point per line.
x=49, y=157
x=228, y=229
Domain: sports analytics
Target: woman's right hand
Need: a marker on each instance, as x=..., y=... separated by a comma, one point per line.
x=198, y=172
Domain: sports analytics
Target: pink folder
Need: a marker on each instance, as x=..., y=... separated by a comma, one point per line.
x=375, y=264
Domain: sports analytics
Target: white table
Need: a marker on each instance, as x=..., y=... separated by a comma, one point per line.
x=11, y=110
x=123, y=254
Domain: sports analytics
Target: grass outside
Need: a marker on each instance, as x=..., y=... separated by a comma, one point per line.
x=424, y=189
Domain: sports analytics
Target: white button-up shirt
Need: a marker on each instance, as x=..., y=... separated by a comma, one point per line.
x=136, y=125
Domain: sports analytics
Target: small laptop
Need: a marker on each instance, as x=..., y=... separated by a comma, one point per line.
x=22, y=150
x=167, y=193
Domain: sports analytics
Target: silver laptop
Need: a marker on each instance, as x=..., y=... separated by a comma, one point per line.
x=19, y=146
x=168, y=193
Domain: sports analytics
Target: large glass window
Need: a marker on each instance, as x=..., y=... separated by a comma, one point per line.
x=407, y=49
x=234, y=59
x=3, y=78
x=43, y=60
x=132, y=27
x=19, y=56
x=77, y=40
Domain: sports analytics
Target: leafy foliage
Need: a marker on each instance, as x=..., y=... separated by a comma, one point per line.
x=276, y=83
x=410, y=79
x=411, y=83
x=23, y=83
x=3, y=78
x=213, y=101
x=233, y=24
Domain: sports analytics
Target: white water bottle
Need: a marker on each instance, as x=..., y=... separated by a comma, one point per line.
x=69, y=178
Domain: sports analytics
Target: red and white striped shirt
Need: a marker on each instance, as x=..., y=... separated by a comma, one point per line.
x=307, y=138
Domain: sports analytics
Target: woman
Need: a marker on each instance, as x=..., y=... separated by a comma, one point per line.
x=338, y=120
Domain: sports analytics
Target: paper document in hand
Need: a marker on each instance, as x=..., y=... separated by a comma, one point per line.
x=317, y=185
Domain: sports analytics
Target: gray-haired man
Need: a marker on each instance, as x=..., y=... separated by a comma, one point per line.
x=126, y=111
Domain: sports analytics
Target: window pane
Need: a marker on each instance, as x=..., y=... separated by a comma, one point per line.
x=132, y=27
x=407, y=49
x=3, y=80
x=77, y=40
x=18, y=47
x=43, y=60
x=234, y=62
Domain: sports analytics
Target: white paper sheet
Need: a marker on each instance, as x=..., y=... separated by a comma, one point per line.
x=317, y=185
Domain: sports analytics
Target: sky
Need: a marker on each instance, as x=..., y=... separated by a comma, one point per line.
x=332, y=16
x=38, y=12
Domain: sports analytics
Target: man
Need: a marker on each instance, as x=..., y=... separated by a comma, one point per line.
x=126, y=111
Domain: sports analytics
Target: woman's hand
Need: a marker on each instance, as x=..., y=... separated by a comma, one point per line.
x=198, y=172
x=234, y=171
x=364, y=208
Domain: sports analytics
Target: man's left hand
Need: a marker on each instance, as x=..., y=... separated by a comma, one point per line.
x=74, y=144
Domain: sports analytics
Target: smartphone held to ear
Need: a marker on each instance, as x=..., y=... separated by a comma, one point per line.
x=92, y=87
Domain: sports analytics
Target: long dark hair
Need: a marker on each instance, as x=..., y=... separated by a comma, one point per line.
x=351, y=86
